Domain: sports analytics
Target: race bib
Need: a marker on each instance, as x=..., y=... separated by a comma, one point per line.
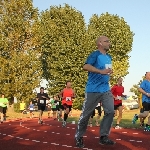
x=57, y=103
x=108, y=66
x=68, y=98
x=119, y=97
x=98, y=104
x=41, y=101
x=31, y=108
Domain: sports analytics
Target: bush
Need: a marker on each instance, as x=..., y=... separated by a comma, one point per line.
x=17, y=107
x=77, y=104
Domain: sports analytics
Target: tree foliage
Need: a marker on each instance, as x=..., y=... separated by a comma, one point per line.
x=135, y=87
x=121, y=38
x=63, y=34
x=20, y=69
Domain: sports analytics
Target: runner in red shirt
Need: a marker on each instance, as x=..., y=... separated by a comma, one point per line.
x=117, y=91
x=67, y=95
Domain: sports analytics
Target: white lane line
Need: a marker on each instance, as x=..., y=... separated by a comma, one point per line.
x=84, y=136
x=10, y=135
x=135, y=133
x=124, y=132
x=131, y=140
x=45, y=142
x=34, y=140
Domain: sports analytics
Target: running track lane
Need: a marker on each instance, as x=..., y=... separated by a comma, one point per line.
x=29, y=135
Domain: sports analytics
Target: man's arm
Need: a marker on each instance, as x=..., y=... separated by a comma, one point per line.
x=143, y=92
x=47, y=97
x=90, y=68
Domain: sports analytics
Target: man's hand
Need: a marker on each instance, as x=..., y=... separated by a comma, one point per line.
x=106, y=71
x=148, y=94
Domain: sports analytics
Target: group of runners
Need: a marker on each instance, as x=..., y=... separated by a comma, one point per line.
x=64, y=101
x=60, y=102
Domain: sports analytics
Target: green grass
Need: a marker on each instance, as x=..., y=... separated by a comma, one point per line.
x=126, y=121
x=127, y=117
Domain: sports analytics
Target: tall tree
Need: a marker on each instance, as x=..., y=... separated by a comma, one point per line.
x=63, y=34
x=135, y=90
x=121, y=38
x=19, y=49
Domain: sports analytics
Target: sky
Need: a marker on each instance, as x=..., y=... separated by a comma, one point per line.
x=137, y=15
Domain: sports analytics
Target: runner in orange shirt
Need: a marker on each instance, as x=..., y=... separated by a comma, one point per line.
x=67, y=95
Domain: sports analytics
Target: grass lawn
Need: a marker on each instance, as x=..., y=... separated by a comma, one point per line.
x=126, y=121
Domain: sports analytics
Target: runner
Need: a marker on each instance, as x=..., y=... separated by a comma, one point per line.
x=22, y=108
x=35, y=103
x=141, y=110
x=61, y=109
x=31, y=109
x=99, y=67
x=67, y=94
x=98, y=108
x=48, y=104
x=3, y=107
x=54, y=107
x=42, y=97
x=58, y=107
x=117, y=91
x=145, y=90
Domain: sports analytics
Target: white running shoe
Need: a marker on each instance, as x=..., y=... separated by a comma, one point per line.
x=118, y=127
x=64, y=124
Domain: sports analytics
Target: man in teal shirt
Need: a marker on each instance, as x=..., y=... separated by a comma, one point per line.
x=3, y=107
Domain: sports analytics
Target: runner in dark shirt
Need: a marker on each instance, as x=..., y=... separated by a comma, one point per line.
x=42, y=97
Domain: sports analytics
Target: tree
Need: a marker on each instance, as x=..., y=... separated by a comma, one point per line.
x=135, y=90
x=121, y=39
x=63, y=34
x=19, y=49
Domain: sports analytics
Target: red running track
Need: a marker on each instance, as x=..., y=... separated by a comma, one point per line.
x=29, y=135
